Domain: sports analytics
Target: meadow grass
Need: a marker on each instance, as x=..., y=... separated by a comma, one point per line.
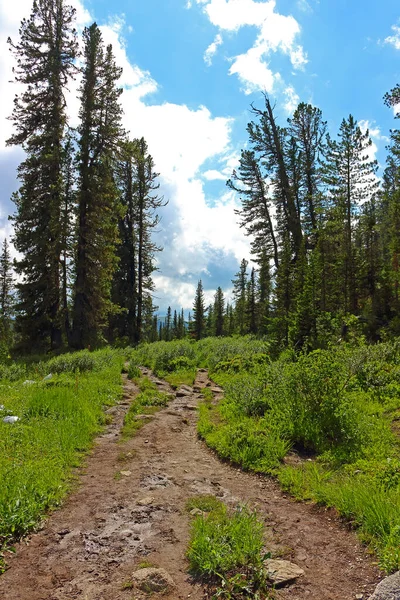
x=226, y=549
x=147, y=402
x=335, y=409
x=58, y=419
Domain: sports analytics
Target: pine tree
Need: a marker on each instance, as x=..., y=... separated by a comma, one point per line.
x=307, y=129
x=251, y=303
x=350, y=178
x=219, y=312
x=239, y=293
x=198, y=324
x=255, y=214
x=100, y=135
x=270, y=142
x=147, y=203
x=167, y=328
x=45, y=55
x=6, y=297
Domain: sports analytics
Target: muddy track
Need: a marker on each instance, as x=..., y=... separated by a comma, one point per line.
x=130, y=508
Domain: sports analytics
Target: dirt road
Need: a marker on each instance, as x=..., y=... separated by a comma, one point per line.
x=129, y=510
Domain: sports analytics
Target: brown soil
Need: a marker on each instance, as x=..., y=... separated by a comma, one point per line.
x=116, y=522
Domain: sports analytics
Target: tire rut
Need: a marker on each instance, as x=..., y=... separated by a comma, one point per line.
x=130, y=509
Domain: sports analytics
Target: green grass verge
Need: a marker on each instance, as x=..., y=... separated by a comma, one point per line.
x=147, y=402
x=336, y=409
x=226, y=549
x=58, y=419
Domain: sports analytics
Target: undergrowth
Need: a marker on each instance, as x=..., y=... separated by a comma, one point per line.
x=332, y=411
x=60, y=408
x=147, y=402
x=226, y=550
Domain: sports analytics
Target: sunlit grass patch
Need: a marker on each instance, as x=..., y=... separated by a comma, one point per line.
x=147, y=402
x=58, y=419
x=226, y=549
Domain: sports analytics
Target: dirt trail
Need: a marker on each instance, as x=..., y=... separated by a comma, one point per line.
x=113, y=522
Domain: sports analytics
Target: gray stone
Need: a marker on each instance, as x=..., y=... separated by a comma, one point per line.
x=148, y=501
x=282, y=572
x=153, y=580
x=388, y=588
x=182, y=393
x=10, y=419
x=144, y=417
x=187, y=388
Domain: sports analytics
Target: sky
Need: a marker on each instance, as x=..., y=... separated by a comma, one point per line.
x=192, y=68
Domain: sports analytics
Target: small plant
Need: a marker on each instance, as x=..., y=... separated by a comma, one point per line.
x=147, y=402
x=226, y=550
x=133, y=371
x=204, y=503
x=207, y=394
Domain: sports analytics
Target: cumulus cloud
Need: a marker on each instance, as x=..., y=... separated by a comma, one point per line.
x=198, y=234
x=276, y=32
x=212, y=49
x=292, y=99
x=394, y=39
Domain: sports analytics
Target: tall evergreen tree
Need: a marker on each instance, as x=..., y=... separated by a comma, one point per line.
x=307, y=129
x=219, y=312
x=239, y=293
x=350, y=179
x=198, y=325
x=100, y=135
x=45, y=54
x=255, y=214
x=147, y=219
x=6, y=296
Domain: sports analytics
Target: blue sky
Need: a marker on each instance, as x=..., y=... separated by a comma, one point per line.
x=191, y=70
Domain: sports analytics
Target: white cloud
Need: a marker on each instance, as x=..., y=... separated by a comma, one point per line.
x=181, y=140
x=214, y=175
x=292, y=100
x=276, y=32
x=394, y=39
x=376, y=136
x=212, y=49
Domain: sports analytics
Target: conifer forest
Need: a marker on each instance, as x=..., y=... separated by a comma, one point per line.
x=323, y=225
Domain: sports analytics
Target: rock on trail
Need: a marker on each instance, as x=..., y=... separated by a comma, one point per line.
x=128, y=516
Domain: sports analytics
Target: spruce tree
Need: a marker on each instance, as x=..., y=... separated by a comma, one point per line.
x=147, y=203
x=255, y=214
x=219, y=312
x=6, y=297
x=239, y=293
x=45, y=54
x=350, y=180
x=100, y=135
x=198, y=324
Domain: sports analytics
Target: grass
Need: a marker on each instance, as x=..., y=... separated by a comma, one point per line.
x=58, y=419
x=181, y=377
x=337, y=406
x=147, y=402
x=226, y=549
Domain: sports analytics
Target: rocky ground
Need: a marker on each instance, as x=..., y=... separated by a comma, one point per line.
x=128, y=513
